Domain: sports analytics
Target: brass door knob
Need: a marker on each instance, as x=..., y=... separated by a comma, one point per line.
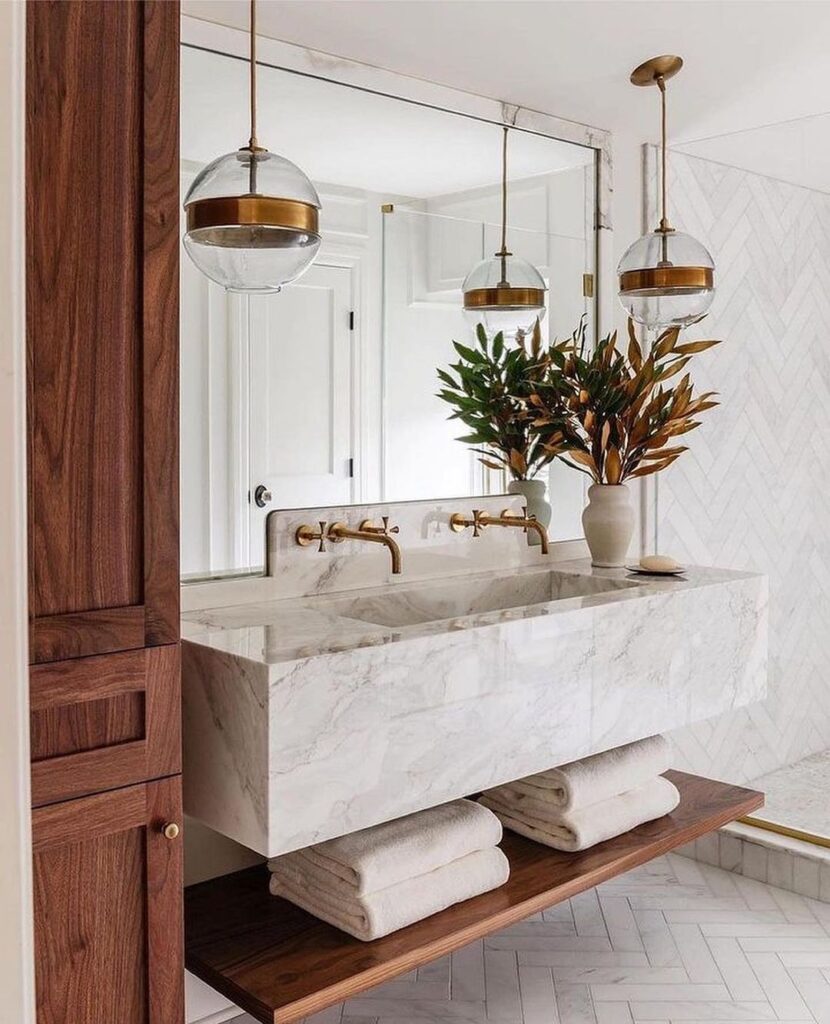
x=170, y=830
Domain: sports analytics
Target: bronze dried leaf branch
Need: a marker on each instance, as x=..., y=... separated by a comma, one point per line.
x=611, y=414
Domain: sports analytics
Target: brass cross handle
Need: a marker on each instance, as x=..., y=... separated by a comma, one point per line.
x=458, y=522
x=367, y=526
x=306, y=535
x=528, y=517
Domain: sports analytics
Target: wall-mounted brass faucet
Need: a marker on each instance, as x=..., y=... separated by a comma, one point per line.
x=338, y=532
x=481, y=520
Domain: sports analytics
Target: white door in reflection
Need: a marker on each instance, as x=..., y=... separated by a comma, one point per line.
x=301, y=397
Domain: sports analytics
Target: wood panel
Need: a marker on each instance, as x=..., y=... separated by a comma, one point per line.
x=90, y=725
x=102, y=325
x=108, y=947
x=86, y=739
x=281, y=964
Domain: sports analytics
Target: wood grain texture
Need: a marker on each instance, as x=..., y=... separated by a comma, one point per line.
x=160, y=320
x=83, y=232
x=90, y=725
x=77, y=635
x=102, y=325
x=165, y=922
x=164, y=711
x=73, y=821
x=91, y=679
x=90, y=963
x=102, y=417
x=281, y=964
x=107, y=896
x=85, y=741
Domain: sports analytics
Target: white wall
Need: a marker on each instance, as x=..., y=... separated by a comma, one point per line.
x=16, y=983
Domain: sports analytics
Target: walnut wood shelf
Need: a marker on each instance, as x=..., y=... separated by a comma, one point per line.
x=281, y=964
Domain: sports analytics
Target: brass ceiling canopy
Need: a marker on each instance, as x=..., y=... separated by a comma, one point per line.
x=252, y=216
x=649, y=71
x=666, y=277
x=503, y=292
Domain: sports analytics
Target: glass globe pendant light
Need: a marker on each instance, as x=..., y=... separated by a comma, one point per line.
x=503, y=292
x=252, y=216
x=666, y=277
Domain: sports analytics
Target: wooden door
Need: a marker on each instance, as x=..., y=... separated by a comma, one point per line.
x=108, y=920
x=102, y=310
x=301, y=396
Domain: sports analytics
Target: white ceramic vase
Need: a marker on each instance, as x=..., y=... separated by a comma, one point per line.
x=533, y=491
x=608, y=522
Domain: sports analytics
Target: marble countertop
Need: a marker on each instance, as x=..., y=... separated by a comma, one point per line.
x=291, y=628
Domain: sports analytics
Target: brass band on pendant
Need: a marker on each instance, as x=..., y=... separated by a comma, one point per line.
x=503, y=298
x=666, y=279
x=226, y=211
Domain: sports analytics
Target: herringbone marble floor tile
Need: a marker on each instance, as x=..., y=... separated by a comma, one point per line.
x=675, y=940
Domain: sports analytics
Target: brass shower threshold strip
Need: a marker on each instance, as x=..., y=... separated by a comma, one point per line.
x=785, y=830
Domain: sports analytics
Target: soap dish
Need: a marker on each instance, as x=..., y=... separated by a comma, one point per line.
x=640, y=571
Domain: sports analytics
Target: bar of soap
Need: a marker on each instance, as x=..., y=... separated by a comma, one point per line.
x=658, y=563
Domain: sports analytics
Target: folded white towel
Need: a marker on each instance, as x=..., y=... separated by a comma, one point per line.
x=395, y=851
x=584, y=827
x=591, y=779
x=378, y=913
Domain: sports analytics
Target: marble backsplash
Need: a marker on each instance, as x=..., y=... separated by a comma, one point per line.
x=430, y=549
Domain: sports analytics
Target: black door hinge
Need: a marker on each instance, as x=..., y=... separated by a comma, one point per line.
x=351, y=319
x=351, y=469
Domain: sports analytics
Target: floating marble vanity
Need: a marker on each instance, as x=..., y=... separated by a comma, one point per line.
x=327, y=697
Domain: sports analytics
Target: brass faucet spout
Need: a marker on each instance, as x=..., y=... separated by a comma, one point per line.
x=372, y=535
x=480, y=520
x=534, y=524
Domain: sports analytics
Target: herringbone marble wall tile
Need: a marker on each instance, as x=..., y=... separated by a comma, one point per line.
x=754, y=490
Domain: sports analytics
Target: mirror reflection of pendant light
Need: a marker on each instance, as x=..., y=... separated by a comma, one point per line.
x=666, y=277
x=503, y=292
x=252, y=216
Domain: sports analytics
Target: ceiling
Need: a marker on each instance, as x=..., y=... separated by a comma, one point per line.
x=349, y=137
x=749, y=63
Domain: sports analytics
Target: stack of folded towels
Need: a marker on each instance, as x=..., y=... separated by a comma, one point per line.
x=586, y=802
x=383, y=878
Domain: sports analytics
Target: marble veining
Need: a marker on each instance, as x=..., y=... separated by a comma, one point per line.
x=324, y=712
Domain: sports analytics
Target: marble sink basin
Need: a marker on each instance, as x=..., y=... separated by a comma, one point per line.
x=416, y=604
x=315, y=715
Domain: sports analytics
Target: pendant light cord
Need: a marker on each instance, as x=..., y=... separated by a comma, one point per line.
x=253, y=140
x=253, y=144
x=661, y=85
x=503, y=253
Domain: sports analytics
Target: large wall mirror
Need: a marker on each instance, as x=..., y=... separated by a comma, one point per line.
x=324, y=394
